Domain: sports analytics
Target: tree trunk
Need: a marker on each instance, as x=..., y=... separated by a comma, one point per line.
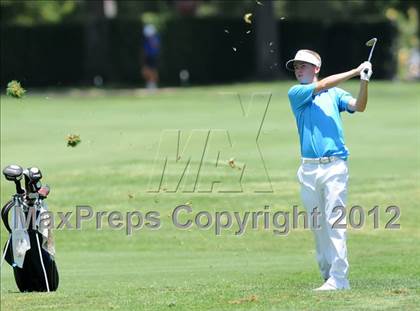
x=96, y=41
x=267, y=42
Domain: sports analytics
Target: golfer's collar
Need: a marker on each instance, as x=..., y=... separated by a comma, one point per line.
x=318, y=93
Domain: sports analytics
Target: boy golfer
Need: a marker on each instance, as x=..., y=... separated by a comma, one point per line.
x=323, y=174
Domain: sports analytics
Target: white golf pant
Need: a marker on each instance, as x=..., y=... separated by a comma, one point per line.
x=324, y=186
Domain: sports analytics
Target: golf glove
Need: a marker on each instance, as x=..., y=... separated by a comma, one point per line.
x=366, y=72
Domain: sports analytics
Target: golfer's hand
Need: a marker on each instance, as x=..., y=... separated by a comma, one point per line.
x=363, y=66
x=366, y=71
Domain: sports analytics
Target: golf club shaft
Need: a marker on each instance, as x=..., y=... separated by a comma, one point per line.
x=370, y=55
x=5, y=250
x=371, y=51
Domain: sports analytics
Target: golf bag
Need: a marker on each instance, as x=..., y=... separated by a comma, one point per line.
x=30, y=247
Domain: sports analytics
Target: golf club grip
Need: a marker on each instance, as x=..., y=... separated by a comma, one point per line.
x=366, y=70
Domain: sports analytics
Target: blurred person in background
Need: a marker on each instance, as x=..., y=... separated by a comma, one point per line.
x=150, y=56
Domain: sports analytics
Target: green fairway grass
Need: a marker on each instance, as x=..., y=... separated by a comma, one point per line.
x=126, y=134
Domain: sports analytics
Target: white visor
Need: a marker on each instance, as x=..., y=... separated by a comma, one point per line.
x=303, y=56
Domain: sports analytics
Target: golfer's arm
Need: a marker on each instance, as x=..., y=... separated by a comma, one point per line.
x=334, y=80
x=360, y=103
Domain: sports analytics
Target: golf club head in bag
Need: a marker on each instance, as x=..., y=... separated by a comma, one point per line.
x=37, y=270
x=32, y=182
x=14, y=173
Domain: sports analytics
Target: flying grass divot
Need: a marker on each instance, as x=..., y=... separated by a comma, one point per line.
x=247, y=18
x=73, y=140
x=14, y=89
